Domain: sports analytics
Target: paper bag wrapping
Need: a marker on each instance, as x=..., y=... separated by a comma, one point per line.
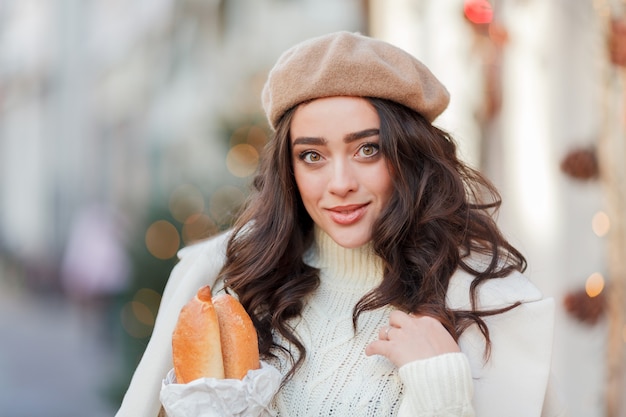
x=210, y=397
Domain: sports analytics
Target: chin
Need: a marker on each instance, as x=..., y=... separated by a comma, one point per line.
x=350, y=242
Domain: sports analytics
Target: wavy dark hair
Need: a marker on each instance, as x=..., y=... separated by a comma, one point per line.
x=440, y=212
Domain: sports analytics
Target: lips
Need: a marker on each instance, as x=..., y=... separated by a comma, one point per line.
x=347, y=215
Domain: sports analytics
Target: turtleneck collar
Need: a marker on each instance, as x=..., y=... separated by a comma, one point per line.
x=342, y=267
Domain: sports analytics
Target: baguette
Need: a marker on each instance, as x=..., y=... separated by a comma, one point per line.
x=196, y=346
x=214, y=338
x=240, y=348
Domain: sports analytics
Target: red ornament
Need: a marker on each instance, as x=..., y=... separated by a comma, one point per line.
x=478, y=11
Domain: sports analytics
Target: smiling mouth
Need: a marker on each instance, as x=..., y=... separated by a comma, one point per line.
x=346, y=215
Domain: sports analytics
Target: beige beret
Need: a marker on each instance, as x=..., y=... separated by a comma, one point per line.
x=350, y=64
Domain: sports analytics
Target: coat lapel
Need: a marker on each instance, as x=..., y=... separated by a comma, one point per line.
x=199, y=266
x=512, y=381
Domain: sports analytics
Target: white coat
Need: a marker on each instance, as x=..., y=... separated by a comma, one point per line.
x=514, y=382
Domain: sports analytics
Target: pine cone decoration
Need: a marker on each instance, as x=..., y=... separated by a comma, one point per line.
x=581, y=164
x=583, y=308
x=617, y=42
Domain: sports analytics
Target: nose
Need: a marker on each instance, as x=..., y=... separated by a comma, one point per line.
x=343, y=179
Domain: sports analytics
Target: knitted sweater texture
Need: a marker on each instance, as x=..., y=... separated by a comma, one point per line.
x=337, y=378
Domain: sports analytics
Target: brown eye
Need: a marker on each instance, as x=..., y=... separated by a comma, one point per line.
x=310, y=157
x=368, y=150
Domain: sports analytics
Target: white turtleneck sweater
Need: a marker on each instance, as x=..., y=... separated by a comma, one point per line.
x=337, y=378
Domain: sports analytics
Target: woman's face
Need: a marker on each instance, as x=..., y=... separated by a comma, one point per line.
x=342, y=177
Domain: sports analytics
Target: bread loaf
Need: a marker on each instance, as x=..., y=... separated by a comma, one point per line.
x=213, y=338
x=196, y=346
x=240, y=348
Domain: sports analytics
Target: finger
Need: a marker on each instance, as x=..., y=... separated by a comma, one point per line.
x=383, y=333
x=377, y=347
x=399, y=318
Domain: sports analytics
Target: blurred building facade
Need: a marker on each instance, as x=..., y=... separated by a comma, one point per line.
x=153, y=105
x=531, y=85
x=118, y=103
x=139, y=122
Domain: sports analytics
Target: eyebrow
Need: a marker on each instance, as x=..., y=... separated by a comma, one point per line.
x=350, y=137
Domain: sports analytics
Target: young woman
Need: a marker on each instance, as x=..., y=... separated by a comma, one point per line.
x=367, y=257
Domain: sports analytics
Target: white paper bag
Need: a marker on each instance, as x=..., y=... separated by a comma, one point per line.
x=210, y=397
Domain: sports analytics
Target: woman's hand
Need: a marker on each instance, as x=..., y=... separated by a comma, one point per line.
x=409, y=338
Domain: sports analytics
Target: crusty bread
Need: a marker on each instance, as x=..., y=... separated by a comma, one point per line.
x=214, y=338
x=196, y=347
x=240, y=349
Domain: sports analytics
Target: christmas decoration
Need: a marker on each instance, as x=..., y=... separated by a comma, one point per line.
x=582, y=307
x=617, y=42
x=581, y=164
x=478, y=11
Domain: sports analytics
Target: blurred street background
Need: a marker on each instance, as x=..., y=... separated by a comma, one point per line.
x=130, y=129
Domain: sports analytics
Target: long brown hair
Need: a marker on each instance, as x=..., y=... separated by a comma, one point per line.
x=440, y=212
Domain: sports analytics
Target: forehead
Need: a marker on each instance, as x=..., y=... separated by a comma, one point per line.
x=333, y=116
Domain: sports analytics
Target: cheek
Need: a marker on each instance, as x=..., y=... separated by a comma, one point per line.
x=305, y=184
x=381, y=184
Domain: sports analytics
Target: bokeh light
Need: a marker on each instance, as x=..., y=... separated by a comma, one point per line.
x=256, y=137
x=162, y=239
x=600, y=224
x=142, y=313
x=185, y=201
x=138, y=316
x=594, y=284
x=242, y=160
x=225, y=203
x=251, y=134
x=197, y=227
x=239, y=135
x=137, y=319
x=602, y=7
x=151, y=299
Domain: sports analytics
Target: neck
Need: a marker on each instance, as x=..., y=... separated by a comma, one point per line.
x=343, y=268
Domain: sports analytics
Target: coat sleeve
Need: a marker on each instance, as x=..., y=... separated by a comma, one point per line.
x=198, y=266
x=515, y=380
